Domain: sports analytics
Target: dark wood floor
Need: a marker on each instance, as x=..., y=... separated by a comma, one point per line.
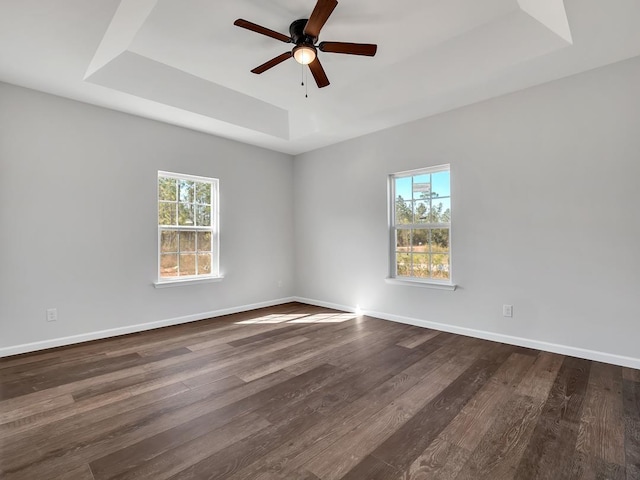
x=304, y=393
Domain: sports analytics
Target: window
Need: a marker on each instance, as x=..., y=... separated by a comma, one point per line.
x=187, y=227
x=420, y=225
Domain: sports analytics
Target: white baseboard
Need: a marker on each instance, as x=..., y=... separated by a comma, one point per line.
x=611, y=358
x=114, y=332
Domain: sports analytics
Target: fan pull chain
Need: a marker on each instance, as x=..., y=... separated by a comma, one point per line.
x=306, y=83
x=302, y=75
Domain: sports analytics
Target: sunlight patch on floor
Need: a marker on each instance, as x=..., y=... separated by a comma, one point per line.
x=298, y=318
x=273, y=318
x=326, y=318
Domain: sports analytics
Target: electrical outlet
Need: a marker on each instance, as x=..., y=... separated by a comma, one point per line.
x=52, y=314
x=507, y=310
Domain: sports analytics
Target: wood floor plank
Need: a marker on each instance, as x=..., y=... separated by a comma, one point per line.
x=501, y=449
x=537, y=382
x=390, y=436
x=167, y=455
x=45, y=380
x=280, y=333
x=186, y=337
x=414, y=436
x=23, y=363
x=269, y=323
x=90, y=439
x=352, y=382
x=181, y=372
x=29, y=409
x=228, y=461
x=114, y=376
x=211, y=364
x=109, y=391
x=259, y=325
x=235, y=334
x=371, y=467
x=65, y=419
x=631, y=406
x=298, y=392
x=601, y=433
x=444, y=460
x=631, y=374
x=468, y=428
x=134, y=455
x=300, y=353
x=79, y=352
x=555, y=436
x=35, y=456
x=440, y=461
x=379, y=337
x=419, y=339
x=190, y=333
x=83, y=472
x=298, y=451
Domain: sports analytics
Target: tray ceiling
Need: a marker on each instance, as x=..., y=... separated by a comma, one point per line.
x=185, y=63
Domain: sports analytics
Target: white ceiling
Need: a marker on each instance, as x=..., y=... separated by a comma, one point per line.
x=185, y=63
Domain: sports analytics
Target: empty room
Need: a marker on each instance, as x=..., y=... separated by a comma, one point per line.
x=319, y=239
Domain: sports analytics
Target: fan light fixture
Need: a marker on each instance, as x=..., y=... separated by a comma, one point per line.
x=304, y=34
x=304, y=54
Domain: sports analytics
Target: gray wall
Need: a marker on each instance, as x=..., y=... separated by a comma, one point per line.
x=78, y=219
x=545, y=186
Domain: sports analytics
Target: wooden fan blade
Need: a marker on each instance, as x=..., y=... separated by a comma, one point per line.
x=319, y=16
x=262, y=30
x=318, y=73
x=272, y=63
x=366, y=49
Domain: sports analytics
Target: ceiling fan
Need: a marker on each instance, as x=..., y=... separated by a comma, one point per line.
x=304, y=34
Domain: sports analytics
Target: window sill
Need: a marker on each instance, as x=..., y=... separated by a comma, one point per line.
x=421, y=283
x=186, y=281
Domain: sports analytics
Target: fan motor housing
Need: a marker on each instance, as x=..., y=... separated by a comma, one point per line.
x=296, y=30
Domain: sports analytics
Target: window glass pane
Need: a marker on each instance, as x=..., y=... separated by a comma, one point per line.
x=168, y=242
x=440, y=240
x=167, y=213
x=187, y=264
x=421, y=178
x=203, y=215
x=440, y=266
x=440, y=183
x=403, y=240
x=187, y=242
x=403, y=264
x=421, y=186
x=169, y=265
x=185, y=214
x=204, y=241
x=421, y=265
x=420, y=241
x=203, y=193
x=187, y=202
x=186, y=190
x=403, y=188
x=420, y=201
x=204, y=263
x=404, y=212
x=167, y=189
x=421, y=211
x=441, y=210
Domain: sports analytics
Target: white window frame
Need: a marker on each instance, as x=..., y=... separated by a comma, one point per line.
x=393, y=277
x=214, y=228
